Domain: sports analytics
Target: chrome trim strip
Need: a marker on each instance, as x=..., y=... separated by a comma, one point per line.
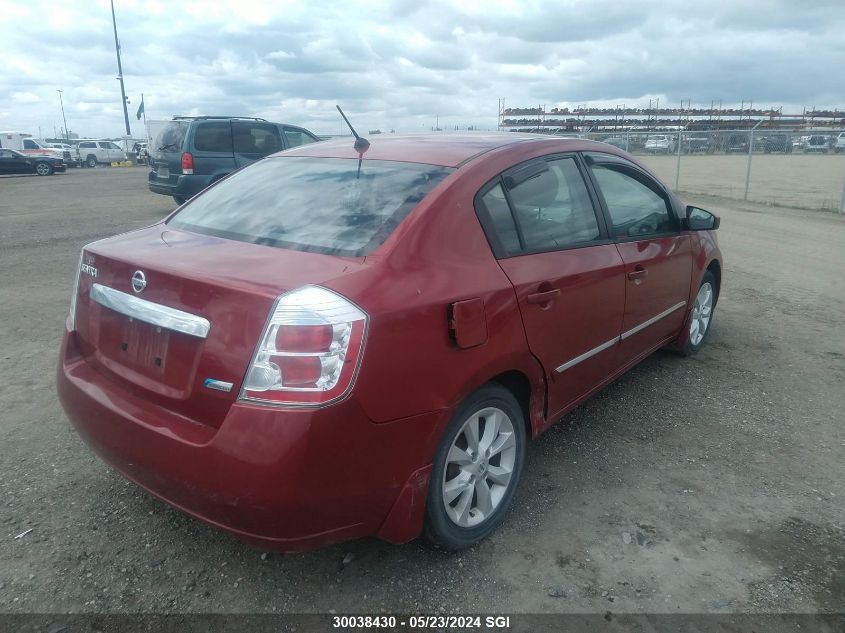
x=149, y=312
x=652, y=320
x=586, y=355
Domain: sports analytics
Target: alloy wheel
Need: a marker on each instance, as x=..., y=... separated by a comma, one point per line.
x=701, y=313
x=42, y=169
x=479, y=467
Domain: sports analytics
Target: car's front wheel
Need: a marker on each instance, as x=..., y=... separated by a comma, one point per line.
x=702, y=313
x=91, y=161
x=179, y=200
x=43, y=169
x=476, y=469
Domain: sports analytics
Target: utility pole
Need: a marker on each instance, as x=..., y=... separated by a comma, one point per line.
x=61, y=102
x=120, y=71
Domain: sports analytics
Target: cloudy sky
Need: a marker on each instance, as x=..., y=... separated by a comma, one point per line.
x=398, y=64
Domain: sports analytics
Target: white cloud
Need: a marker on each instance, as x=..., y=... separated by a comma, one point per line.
x=25, y=97
x=399, y=63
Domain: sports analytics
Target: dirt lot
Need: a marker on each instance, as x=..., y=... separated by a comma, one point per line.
x=806, y=181
x=709, y=484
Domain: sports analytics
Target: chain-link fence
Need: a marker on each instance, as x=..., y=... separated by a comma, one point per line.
x=795, y=169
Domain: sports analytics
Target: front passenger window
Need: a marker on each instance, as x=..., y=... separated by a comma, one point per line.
x=635, y=208
x=295, y=138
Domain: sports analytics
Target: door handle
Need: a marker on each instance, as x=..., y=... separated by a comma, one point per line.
x=543, y=297
x=638, y=273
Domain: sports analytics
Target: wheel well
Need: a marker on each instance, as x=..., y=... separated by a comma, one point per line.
x=714, y=268
x=518, y=384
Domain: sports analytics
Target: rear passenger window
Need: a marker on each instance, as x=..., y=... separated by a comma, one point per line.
x=501, y=219
x=553, y=208
x=213, y=137
x=255, y=138
x=635, y=208
x=297, y=137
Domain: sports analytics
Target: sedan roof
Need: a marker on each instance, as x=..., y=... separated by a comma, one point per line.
x=447, y=150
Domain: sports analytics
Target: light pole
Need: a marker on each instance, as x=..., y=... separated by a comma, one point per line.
x=67, y=135
x=120, y=71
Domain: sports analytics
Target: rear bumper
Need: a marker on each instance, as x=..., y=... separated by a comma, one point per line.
x=184, y=186
x=284, y=479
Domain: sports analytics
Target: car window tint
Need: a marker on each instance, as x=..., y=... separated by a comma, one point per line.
x=635, y=208
x=27, y=144
x=324, y=205
x=4, y=153
x=501, y=219
x=297, y=137
x=255, y=138
x=215, y=136
x=554, y=209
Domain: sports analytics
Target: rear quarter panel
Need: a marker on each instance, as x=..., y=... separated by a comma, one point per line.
x=437, y=256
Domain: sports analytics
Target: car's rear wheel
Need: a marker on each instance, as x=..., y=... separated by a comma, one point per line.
x=476, y=469
x=91, y=161
x=179, y=200
x=43, y=169
x=702, y=313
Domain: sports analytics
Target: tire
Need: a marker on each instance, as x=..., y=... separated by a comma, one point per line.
x=179, y=200
x=463, y=521
x=43, y=169
x=698, y=321
x=91, y=161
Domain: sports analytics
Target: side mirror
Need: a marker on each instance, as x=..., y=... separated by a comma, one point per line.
x=700, y=220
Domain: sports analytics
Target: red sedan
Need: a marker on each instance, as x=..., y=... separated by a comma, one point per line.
x=342, y=341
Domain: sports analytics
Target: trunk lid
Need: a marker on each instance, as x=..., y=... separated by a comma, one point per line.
x=232, y=285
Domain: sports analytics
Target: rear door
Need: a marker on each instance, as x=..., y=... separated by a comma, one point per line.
x=253, y=140
x=657, y=256
x=212, y=148
x=567, y=273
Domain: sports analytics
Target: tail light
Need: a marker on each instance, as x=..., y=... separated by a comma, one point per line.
x=187, y=163
x=309, y=351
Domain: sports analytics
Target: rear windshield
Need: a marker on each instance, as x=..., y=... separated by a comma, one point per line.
x=323, y=205
x=171, y=137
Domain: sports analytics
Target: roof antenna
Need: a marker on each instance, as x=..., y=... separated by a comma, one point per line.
x=361, y=144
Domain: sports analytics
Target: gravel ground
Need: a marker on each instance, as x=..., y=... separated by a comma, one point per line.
x=708, y=484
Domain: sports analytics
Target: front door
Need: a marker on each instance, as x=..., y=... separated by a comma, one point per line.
x=568, y=276
x=658, y=258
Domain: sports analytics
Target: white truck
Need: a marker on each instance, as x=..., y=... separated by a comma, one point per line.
x=93, y=152
x=25, y=144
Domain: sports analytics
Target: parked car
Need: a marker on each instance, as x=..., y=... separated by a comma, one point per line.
x=190, y=153
x=142, y=153
x=342, y=341
x=660, y=144
x=13, y=162
x=778, y=143
x=839, y=144
x=737, y=143
x=696, y=144
x=93, y=153
x=616, y=141
x=70, y=154
x=817, y=143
